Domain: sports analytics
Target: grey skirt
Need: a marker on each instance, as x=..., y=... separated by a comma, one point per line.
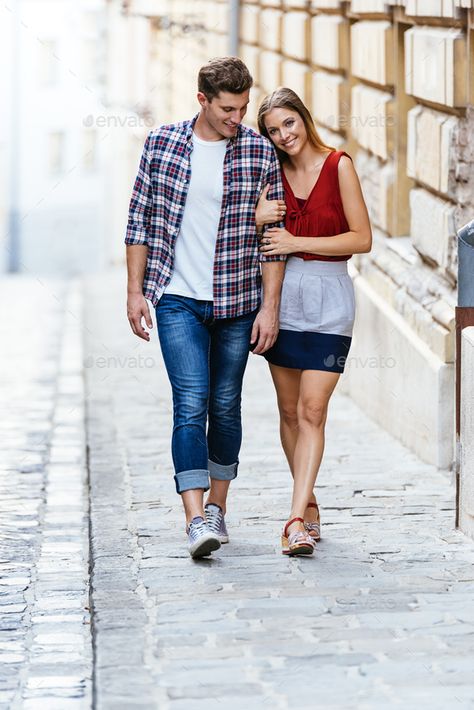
x=316, y=316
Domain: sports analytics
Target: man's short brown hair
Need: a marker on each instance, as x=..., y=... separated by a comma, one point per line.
x=224, y=74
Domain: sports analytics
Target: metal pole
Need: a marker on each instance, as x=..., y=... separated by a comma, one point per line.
x=464, y=318
x=14, y=217
x=234, y=27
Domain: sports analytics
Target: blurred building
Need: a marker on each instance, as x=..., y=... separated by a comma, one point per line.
x=55, y=77
x=393, y=84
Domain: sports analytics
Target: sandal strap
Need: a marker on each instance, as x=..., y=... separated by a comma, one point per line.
x=313, y=526
x=312, y=505
x=290, y=522
x=299, y=536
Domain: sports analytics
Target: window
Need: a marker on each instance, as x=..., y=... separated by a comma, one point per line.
x=48, y=62
x=89, y=150
x=56, y=152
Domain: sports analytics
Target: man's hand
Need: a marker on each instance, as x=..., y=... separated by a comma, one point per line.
x=137, y=308
x=265, y=329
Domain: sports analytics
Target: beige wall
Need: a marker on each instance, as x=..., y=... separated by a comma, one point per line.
x=390, y=84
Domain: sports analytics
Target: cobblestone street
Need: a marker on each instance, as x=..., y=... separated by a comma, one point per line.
x=382, y=616
x=45, y=643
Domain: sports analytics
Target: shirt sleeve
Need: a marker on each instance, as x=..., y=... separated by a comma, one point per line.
x=139, y=211
x=276, y=192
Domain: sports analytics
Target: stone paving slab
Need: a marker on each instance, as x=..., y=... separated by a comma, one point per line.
x=382, y=616
x=45, y=640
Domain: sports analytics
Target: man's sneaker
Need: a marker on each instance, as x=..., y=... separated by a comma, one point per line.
x=216, y=522
x=202, y=540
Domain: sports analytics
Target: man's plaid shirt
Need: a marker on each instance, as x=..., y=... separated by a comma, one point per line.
x=157, y=204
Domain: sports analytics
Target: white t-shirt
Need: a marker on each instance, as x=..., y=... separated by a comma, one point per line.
x=196, y=242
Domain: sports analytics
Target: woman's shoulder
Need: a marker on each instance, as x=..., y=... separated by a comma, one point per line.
x=340, y=156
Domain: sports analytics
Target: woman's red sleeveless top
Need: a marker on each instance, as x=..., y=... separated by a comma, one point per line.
x=322, y=214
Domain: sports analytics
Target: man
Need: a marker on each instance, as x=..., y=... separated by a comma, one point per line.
x=192, y=250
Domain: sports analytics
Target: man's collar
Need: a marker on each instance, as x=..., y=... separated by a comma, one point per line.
x=190, y=129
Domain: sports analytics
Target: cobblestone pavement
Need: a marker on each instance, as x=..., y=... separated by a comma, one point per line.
x=382, y=616
x=45, y=640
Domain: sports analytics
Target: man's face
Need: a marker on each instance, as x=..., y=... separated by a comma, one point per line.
x=225, y=111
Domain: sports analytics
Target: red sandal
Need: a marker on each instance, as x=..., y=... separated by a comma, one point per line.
x=314, y=529
x=298, y=542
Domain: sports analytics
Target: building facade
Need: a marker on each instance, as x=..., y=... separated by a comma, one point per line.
x=54, y=78
x=393, y=85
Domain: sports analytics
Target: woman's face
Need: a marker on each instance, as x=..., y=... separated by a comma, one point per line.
x=286, y=129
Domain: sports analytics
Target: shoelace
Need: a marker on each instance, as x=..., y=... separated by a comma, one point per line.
x=197, y=528
x=213, y=515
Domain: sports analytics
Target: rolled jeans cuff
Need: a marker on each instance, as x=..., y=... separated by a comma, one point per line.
x=221, y=472
x=189, y=480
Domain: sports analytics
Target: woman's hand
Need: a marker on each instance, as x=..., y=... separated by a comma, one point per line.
x=269, y=211
x=278, y=241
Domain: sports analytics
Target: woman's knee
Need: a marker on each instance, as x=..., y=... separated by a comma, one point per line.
x=313, y=413
x=288, y=414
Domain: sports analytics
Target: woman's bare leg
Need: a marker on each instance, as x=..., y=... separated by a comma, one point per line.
x=316, y=388
x=287, y=386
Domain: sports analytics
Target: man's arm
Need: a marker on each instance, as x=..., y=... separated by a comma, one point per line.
x=137, y=307
x=137, y=246
x=266, y=324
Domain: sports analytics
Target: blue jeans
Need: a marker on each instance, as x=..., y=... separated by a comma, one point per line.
x=205, y=359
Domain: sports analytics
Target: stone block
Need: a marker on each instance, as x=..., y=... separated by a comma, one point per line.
x=295, y=35
x=396, y=379
x=386, y=200
x=432, y=8
x=296, y=76
x=251, y=56
x=217, y=17
x=436, y=65
x=270, y=3
x=292, y=4
x=430, y=148
x=329, y=99
x=270, y=71
x=372, y=51
x=372, y=120
x=466, y=497
x=325, y=4
x=361, y=7
x=432, y=226
x=378, y=184
x=249, y=19
x=330, y=41
x=256, y=96
x=270, y=29
x=333, y=140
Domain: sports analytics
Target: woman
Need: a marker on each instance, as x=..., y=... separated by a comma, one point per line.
x=326, y=222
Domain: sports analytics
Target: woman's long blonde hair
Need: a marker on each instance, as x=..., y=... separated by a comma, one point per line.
x=286, y=98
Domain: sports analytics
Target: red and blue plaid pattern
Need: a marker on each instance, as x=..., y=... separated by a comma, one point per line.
x=157, y=204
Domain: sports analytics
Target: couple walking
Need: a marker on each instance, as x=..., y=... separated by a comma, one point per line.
x=240, y=240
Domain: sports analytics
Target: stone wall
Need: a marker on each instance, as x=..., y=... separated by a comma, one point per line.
x=390, y=83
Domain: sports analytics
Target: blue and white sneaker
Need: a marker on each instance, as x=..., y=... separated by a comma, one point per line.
x=202, y=540
x=216, y=522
